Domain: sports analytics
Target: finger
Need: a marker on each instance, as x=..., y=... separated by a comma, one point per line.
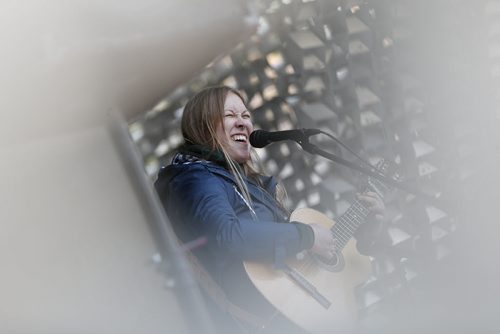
x=377, y=209
x=371, y=201
x=375, y=199
x=372, y=194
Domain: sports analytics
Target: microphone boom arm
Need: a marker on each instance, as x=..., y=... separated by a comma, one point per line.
x=313, y=149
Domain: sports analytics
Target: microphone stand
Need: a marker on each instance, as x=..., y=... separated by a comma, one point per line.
x=313, y=149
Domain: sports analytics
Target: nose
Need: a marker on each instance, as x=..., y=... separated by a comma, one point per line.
x=240, y=122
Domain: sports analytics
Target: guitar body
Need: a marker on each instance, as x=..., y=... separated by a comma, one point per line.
x=335, y=281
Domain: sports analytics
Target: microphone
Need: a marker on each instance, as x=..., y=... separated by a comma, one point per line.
x=261, y=138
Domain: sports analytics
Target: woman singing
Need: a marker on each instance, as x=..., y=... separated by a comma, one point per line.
x=212, y=189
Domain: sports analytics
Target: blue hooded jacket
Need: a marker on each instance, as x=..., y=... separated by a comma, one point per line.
x=201, y=198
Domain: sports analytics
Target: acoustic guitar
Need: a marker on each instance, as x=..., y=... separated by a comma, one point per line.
x=315, y=293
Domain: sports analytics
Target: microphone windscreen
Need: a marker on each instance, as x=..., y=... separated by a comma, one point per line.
x=259, y=138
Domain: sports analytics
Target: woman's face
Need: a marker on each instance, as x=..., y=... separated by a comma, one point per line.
x=235, y=129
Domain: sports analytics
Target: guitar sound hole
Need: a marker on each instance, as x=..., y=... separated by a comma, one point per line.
x=329, y=262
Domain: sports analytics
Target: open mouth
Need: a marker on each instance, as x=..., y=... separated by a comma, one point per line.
x=239, y=138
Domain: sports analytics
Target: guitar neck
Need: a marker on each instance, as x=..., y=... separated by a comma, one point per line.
x=348, y=223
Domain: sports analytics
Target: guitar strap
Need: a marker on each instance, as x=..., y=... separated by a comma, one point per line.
x=215, y=292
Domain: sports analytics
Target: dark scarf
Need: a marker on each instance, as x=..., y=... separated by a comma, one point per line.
x=191, y=153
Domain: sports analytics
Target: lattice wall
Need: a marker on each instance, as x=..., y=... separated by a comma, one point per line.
x=369, y=73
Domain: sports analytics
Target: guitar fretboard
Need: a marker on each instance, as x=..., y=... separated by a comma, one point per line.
x=348, y=223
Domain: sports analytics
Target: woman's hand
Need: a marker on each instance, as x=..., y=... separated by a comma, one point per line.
x=373, y=202
x=324, y=243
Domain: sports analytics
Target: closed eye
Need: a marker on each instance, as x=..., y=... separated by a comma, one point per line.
x=245, y=115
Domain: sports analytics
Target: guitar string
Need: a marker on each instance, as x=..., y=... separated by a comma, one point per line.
x=338, y=233
x=350, y=222
x=341, y=241
x=359, y=210
x=355, y=218
x=339, y=230
x=347, y=222
x=346, y=226
x=362, y=208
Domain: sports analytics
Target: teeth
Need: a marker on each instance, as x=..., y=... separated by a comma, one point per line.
x=239, y=138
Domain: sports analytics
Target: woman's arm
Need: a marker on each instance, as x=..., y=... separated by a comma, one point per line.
x=203, y=201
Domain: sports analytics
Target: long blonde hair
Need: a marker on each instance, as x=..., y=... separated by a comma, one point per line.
x=202, y=115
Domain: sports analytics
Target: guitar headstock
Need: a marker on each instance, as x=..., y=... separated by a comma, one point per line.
x=385, y=168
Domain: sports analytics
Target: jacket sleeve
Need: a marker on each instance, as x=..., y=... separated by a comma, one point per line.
x=206, y=205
